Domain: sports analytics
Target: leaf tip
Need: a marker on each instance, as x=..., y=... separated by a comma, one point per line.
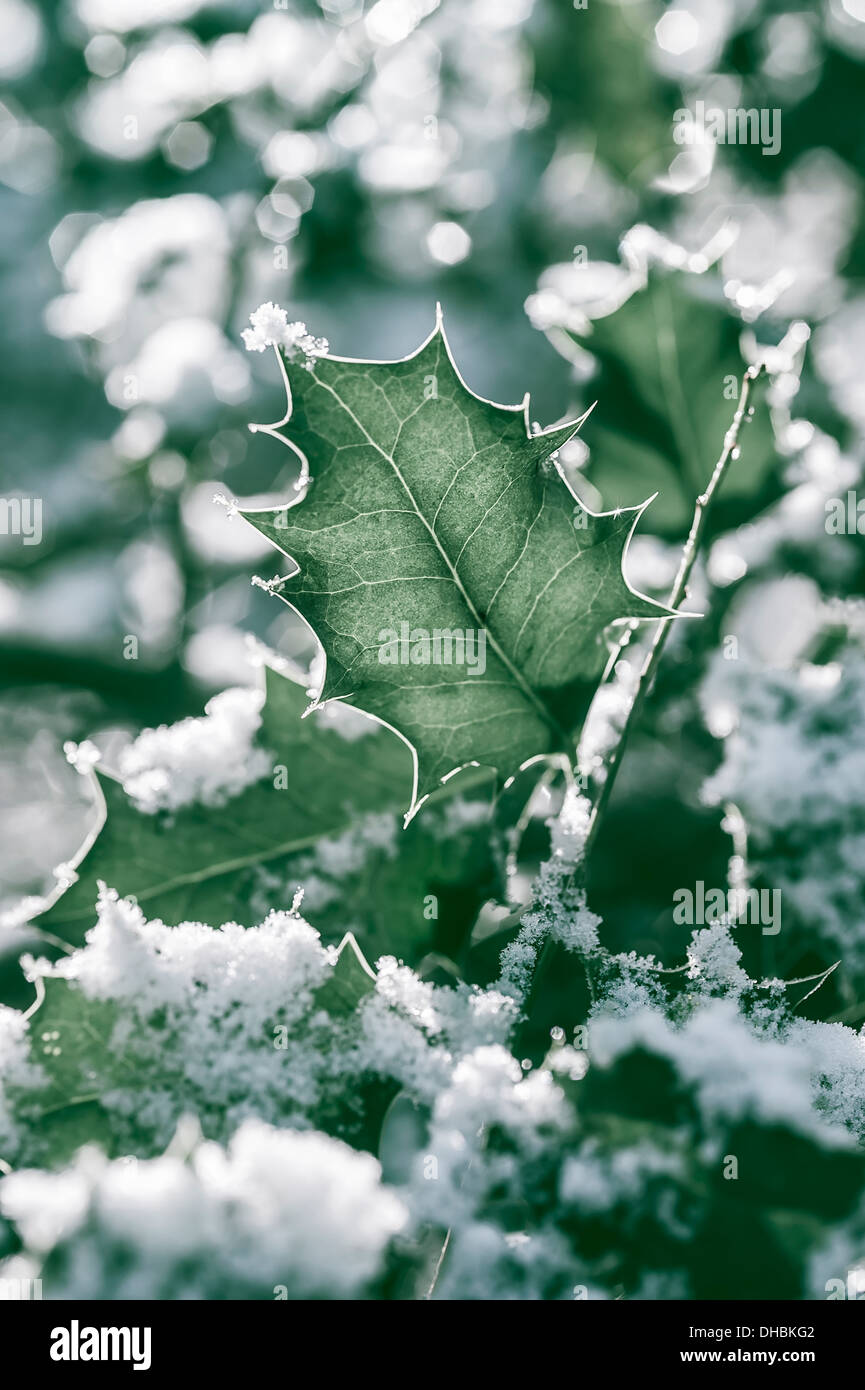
x=349, y=946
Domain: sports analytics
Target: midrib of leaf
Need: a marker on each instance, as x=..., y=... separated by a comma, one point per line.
x=69, y=1104
x=671, y=382
x=216, y=870
x=245, y=861
x=515, y=673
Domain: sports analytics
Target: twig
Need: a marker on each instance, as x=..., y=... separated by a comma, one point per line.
x=438, y=1264
x=821, y=980
x=677, y=594
x=653, y=656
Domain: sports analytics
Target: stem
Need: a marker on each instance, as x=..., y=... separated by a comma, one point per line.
x=438, y=1264
x=653, y=655
x=677, y=594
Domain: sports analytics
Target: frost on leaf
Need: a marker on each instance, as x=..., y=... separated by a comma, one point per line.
x=457, y=585
x=270, y=328
x=147, y=1023
x=223, y=818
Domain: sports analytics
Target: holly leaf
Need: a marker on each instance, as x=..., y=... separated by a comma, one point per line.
x=459, y=588
x=71, y=1040
x=350, y=981
x=326, y=819
x=669, y=374
x=83, y=1057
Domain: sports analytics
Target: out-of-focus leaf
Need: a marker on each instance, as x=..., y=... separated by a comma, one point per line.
x=330, y=818
x=670, y=370
x=350, y=980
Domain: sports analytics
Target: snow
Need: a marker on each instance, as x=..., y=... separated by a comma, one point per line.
x=270, y=328
x=794, y=765
x=265, y=1195
x=196, y=1011
x=489, y=1087
x=713, y=959
x=607, y=714
x=519, y=957
x=838, y=1069
x=268, y=1200
x=272, y=1210
x=735, y=1072
x=569, y=828
x=559, y=910
x=597, y=1181
x=16, y=1072
x=208, y=759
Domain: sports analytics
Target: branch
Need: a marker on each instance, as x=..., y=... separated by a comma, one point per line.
x=541, y=947
x=677, y=595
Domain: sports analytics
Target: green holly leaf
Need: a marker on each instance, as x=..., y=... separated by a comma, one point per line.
x=70, y=1039
x=458, y=587
x=328, y=819
x=350, y=981
x=669, y=373
x=84, y=1057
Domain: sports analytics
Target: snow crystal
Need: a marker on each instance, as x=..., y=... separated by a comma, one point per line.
x=417, y=1032
x=196, y=1019
x=577, y=928
x=630, y=991
x=293, y=1209
x=208, y=759
x=82, y=756
x=713, y=959
x=302, y=1199
x=519, y=957
x=204, y=971
x=46, y=1207
x=226, y=1023
x=606, y=718
x=270, y=328
x=838, y=1069
x=568, y=830
x=559, y=910
x=489, y=1087
x=391, y=1044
